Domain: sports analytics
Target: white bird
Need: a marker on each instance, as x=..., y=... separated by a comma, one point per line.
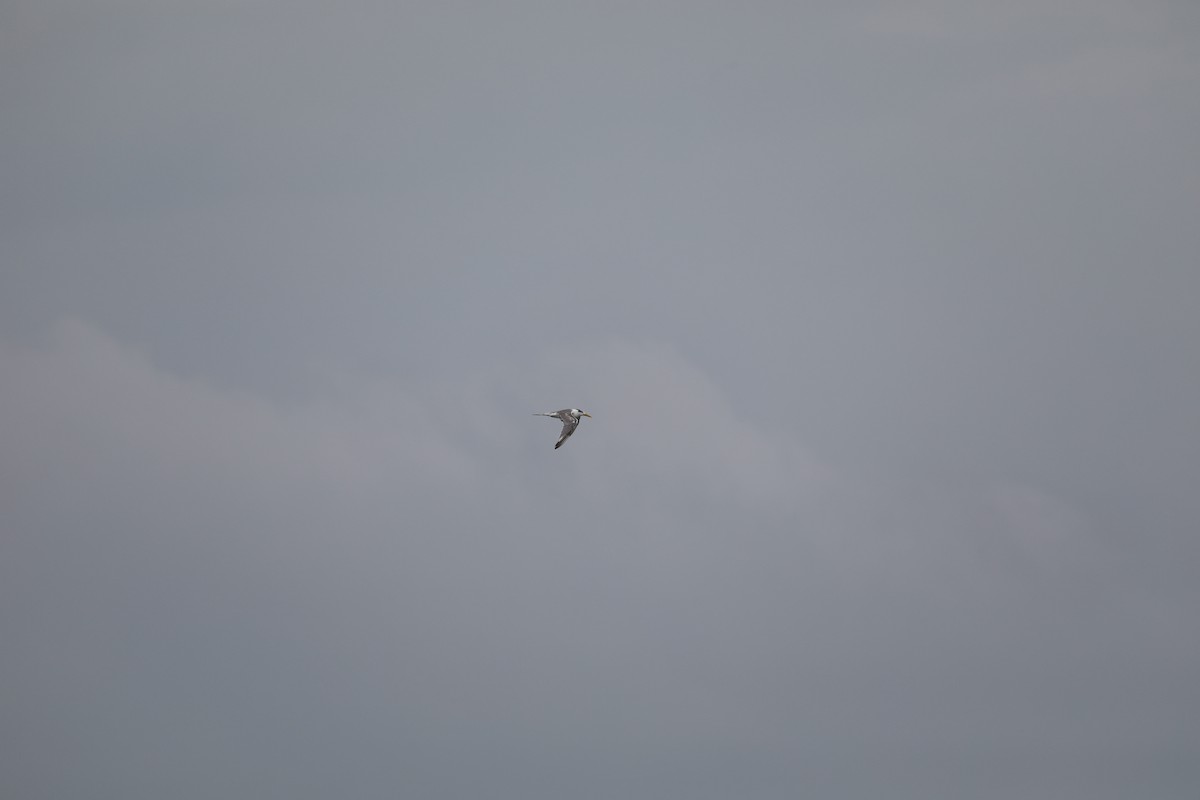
x=570, y=420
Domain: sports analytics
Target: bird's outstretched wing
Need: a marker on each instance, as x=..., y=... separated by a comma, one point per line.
x=569, y=426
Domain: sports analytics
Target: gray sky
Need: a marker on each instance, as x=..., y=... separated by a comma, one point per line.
x=886, y=313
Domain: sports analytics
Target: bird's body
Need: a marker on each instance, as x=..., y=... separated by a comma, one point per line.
x=570, y=420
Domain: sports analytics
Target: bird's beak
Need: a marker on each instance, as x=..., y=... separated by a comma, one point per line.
x=585, y=414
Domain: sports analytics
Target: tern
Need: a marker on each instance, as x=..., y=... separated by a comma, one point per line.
x=570, y=420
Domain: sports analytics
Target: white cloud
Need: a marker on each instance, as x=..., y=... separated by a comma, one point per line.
x=100, y=411
x=91, y=402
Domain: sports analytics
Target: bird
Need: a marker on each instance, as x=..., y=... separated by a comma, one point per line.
x=570, y=420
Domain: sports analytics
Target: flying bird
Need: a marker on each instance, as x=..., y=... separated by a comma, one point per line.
x=570, y=420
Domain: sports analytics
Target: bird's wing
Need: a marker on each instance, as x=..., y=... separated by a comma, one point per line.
x=569, y=426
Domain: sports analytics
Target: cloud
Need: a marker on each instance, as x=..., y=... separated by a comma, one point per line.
x=97, y=421
x=93, y=403
x=887, y=489
x=413, y=567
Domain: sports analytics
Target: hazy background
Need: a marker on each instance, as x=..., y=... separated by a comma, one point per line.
x=888, y=314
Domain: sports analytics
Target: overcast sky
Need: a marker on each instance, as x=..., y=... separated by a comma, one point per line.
x=888, y=314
